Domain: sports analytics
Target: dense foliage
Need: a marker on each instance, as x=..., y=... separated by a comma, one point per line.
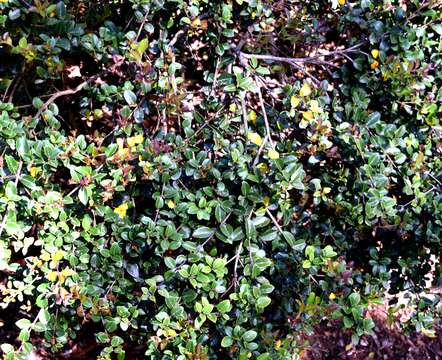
x=193, y=179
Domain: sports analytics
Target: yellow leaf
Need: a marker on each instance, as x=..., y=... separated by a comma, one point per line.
x=332, y=296
x=255, y=138
x=341, y=2
x=135, y=140
x=314, y=106
x=326, y=190
x=262, y=167
x=277, y=344
x=121, y=210
x=266, y=201
x=45, y=256
x=294, y=101
x=232, y=107
x=252, y=116
x=375, y=53
x=170, y=204
x=308, y=115
x=196, y=23
x=273, y=154
x=68, y=272
x=52, y=275
x=58, y=255
x=305, y=90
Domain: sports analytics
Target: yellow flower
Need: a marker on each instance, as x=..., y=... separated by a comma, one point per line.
x=305, y=90
x=374, y=64
x=341, y=2
x=121, y=210
x=273, y=154
x=294, y=101
x=232, y=107
x=332, y=296
x=255, y=138
x=135, y=140
x=375, y=53
x=252, y=116
x=170, y=204
x=52, y=275
x=34, y=171
x=308, y=115
x=314, y=106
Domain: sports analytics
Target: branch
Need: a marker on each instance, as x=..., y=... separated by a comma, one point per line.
x=310, y=59
x=58, y=94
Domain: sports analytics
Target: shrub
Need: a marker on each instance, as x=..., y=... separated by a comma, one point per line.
x=196, y=179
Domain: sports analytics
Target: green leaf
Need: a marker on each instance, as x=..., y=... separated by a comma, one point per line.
x=249, y=335
x=354, y=298
x=203, y=233
x=130, y=97
x=224, y=306
x=83, y=196
x=23, y=323
x=226, y=341
x=263, y=302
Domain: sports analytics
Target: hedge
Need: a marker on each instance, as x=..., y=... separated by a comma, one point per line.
x=193, y=179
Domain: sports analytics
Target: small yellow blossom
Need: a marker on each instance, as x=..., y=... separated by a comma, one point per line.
x=135, y=140
x=273, y=154
x=170, y=204
x=305, y=90
x=255, y=138
x=332, y=296
x=277, y=344
x=326, y=190
x=341, y=2
x=375, y=53
x=34, y=171
x=121, y=210
x=252, y=116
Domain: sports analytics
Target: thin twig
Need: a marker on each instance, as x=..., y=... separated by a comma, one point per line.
x=235, y=267
x=244, y=115
x=274, y=221
x=264, y=114
x=58, y=94
x=309, y=59
x=261, y=148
